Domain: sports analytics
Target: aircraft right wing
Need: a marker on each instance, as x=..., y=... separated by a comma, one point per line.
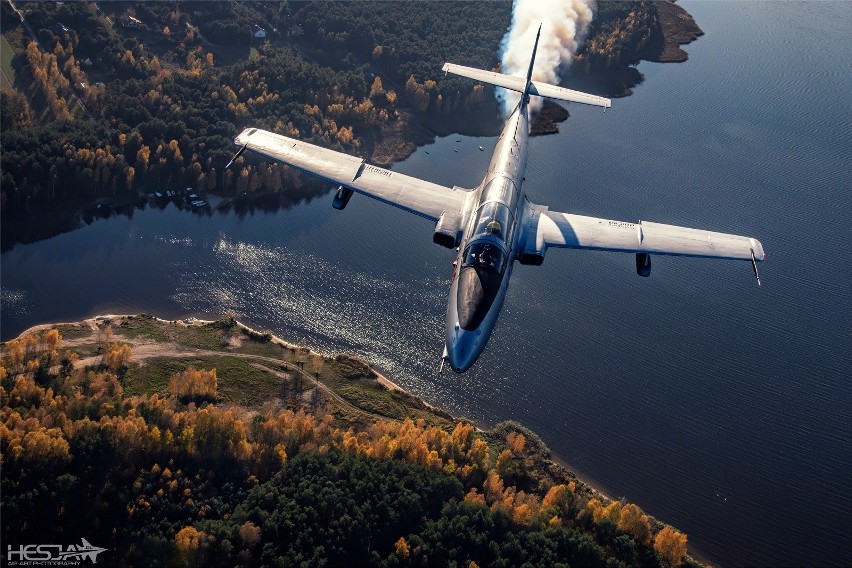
x=412, y=194
x=546, y=228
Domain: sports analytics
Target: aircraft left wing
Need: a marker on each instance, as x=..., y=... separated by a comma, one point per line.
x=546, y=228
x=414, y=195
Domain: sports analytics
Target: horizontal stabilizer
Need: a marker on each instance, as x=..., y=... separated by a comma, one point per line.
x=517, y=84
x=563, y=94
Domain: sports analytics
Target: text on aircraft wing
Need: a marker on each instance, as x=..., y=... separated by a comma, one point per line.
x=415, y=195
x=554, y=229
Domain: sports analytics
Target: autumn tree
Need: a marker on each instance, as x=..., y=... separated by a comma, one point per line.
x=599, y=512
x=188, y=541
x=402, y=548
x=634, y=522
x=194, y=385
x=516, y=441
x=558, y=497
x=250, y=534
x=670, y=544
x=377, y=90
x=98, y=385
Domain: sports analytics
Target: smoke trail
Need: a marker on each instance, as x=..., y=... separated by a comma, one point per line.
x=563, y=26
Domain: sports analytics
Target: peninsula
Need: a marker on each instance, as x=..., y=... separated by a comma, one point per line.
x=197, y=442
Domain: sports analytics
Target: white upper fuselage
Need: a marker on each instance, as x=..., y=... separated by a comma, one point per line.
x=488, y=247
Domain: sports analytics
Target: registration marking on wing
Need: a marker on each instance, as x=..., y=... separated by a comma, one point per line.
x=375, y=170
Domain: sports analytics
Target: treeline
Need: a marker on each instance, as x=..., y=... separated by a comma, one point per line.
x=104, y=113
x=408, y=43
x=175, y=478
x=164, y=120
x=618, y=35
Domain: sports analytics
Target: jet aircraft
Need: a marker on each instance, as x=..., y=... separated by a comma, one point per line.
x=84, y=551
x=495, y=224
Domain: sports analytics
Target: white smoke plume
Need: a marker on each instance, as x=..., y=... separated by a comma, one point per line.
x=563, y=26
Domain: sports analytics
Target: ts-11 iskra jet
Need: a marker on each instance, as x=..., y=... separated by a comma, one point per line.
x=495, y=224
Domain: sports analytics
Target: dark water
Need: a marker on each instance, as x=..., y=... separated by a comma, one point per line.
x=717, y=406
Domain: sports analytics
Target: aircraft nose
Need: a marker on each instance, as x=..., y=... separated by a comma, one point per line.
x=463, y=351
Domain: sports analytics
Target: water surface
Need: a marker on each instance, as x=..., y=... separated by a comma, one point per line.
x=718, y=406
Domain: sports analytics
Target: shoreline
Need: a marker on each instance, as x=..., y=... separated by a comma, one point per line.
x=92, y=321
x=193, y=321
x=559, y=467
x=393, y=143
x=381, y=378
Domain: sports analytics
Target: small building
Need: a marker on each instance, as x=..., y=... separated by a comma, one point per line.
x=58, y=29
x=259, y=32
x=130, y=22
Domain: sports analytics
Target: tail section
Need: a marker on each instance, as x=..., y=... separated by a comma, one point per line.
x=532, y=61
x=529, y=86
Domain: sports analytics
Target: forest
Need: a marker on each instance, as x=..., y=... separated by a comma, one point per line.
x=177, y=475
x=104, y=104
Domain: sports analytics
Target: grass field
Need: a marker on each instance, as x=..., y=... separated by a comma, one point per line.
x=7, y=53
x=240, y=380
x=75, y=331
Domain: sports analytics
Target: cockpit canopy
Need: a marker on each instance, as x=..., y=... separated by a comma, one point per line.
x=486, y=256
x=493, y=219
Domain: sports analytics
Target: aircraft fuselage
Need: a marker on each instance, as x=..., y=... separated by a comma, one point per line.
x=493, y=225
x=488, y=248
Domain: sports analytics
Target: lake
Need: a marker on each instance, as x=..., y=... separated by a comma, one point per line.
x=717, y=406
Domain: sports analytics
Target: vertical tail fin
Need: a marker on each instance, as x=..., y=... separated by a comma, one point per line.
x=532, y=62
x=529, y=87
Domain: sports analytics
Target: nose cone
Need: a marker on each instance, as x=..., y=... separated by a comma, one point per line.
x=464, y=350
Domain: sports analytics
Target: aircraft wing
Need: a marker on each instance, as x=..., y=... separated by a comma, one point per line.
x=414, y=195
x=555, y=229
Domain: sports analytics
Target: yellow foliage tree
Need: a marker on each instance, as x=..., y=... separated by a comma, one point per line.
x=194, y=384
x=599, y=512
x=516, y=441
x=377, y=89
x=522, y=514
x=635, y=523
x=188, y=541
x=670, y=544
x=51, y=339
x=475, y=497
x=117, y=356
x=45, y=444
x=402, y=548
x=505, y=465
x=100, y=385
x=557, y=496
